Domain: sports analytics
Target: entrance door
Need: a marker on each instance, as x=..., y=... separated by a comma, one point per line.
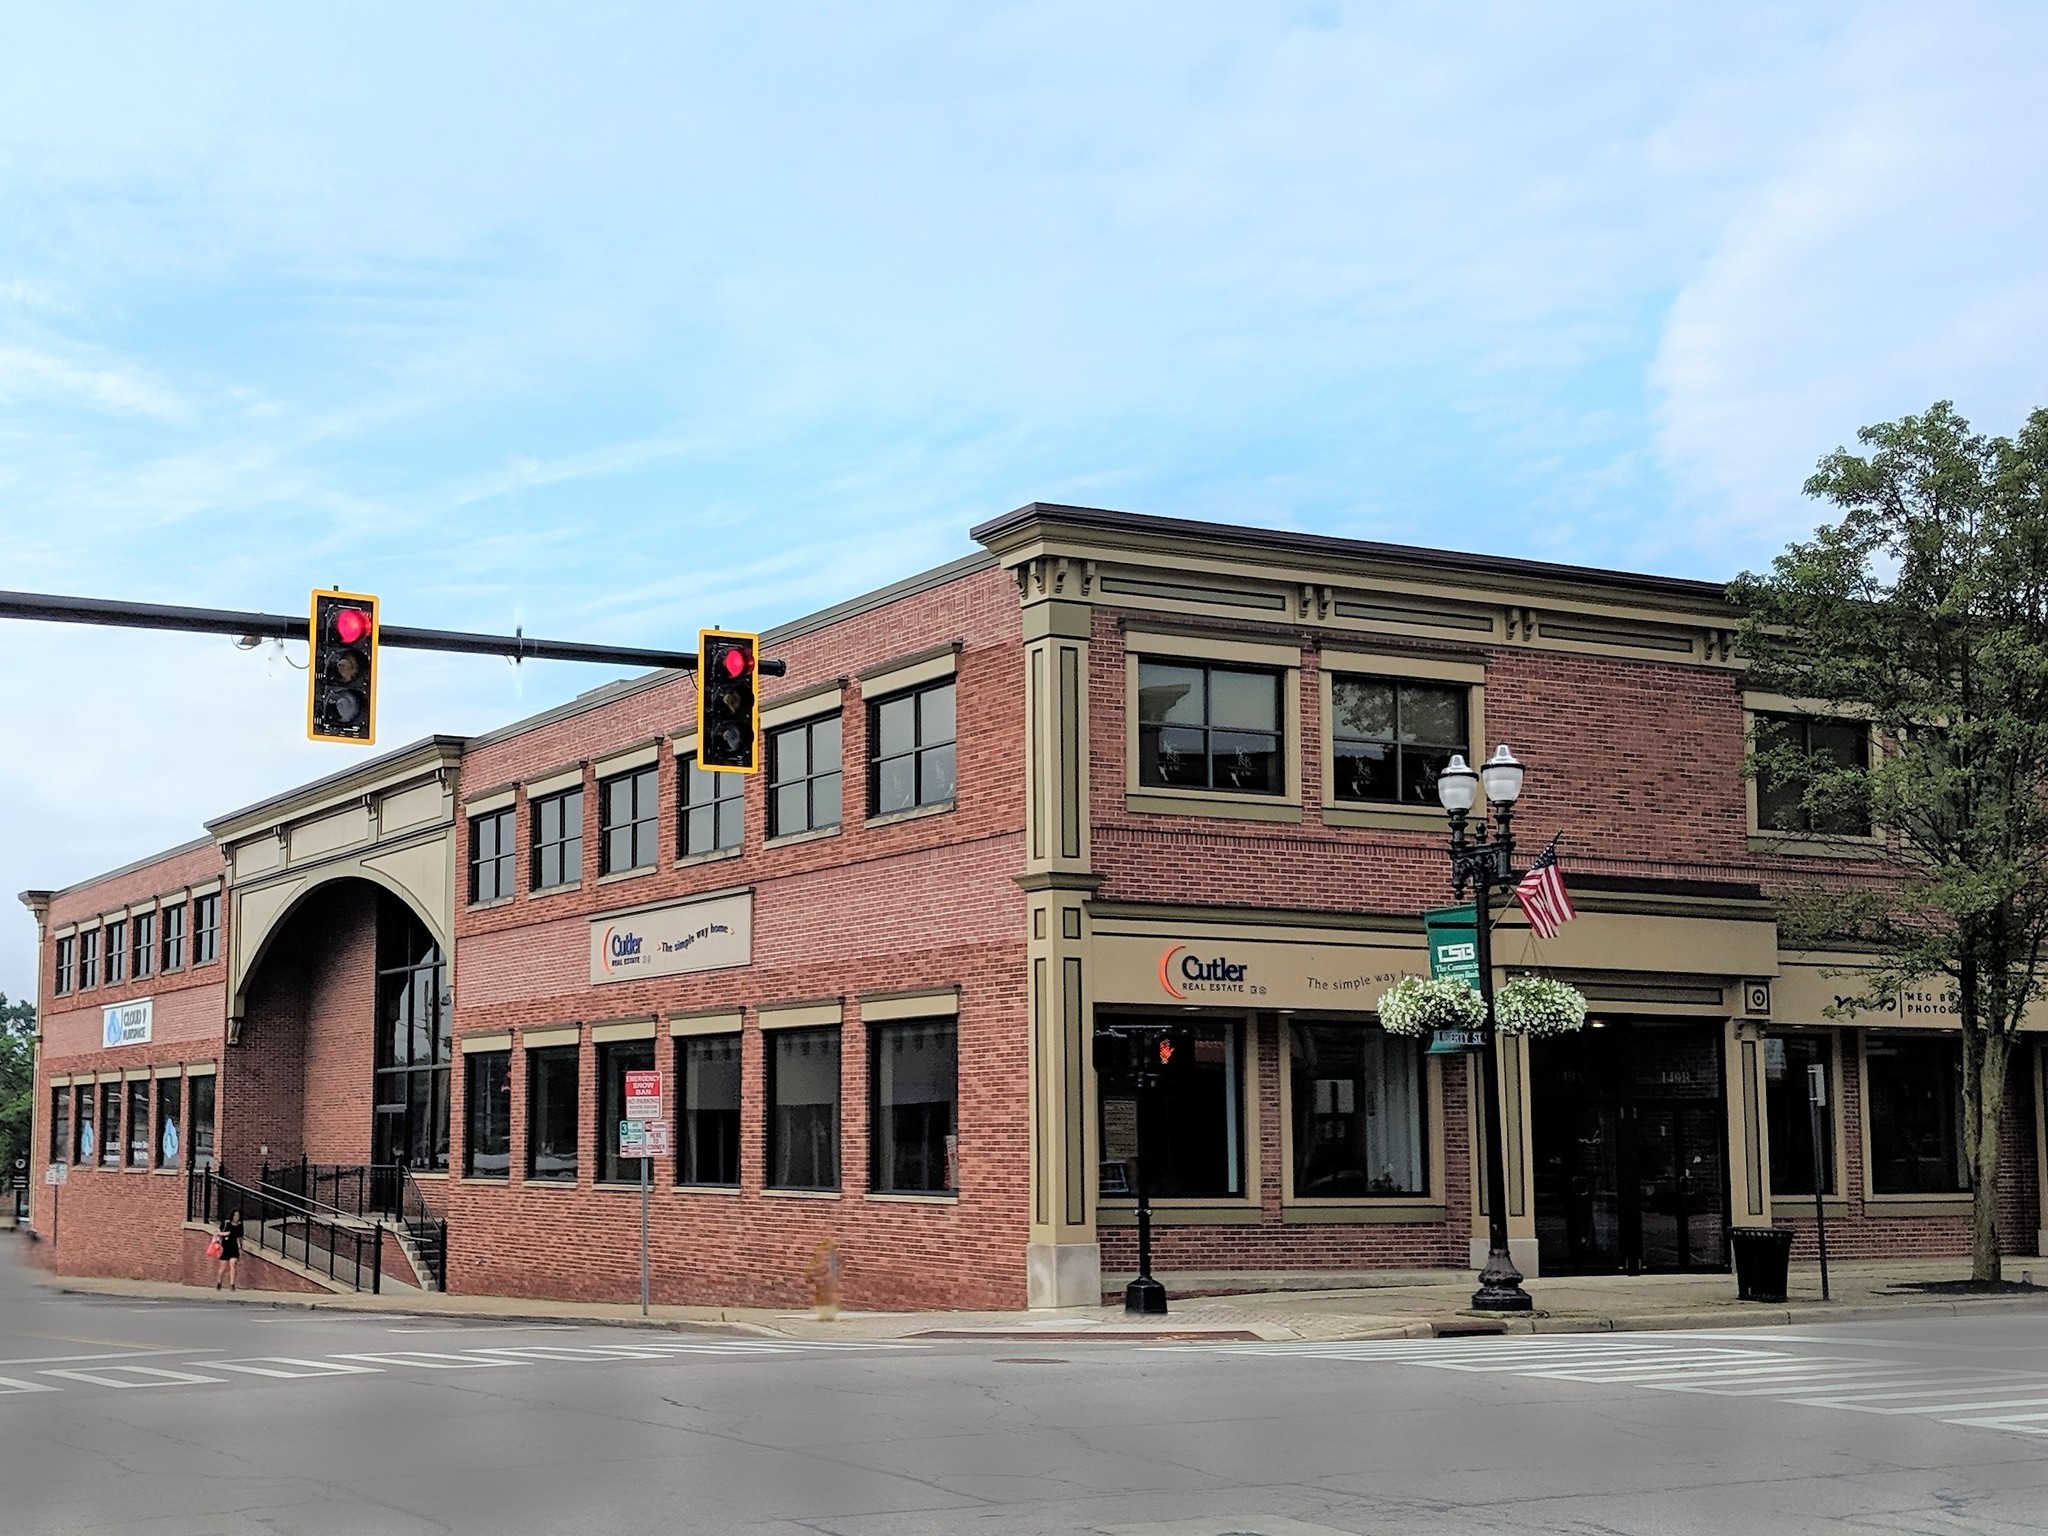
x=1629, y=1127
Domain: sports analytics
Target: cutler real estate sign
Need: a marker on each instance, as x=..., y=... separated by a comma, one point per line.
x=707, y=935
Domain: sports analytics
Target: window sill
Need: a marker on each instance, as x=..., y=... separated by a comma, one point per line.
x=1794, y=1207
x=715, y=856
x=790, y=839
x=1916, y=1205
x=915, y=813
x=553, y=1186
x=495, y=901
x=1191, y=1213
x=802, y=1194
x=913, y=1199
x=1793, y=845
x=495, y=1180
x=1165, y=802
x=626, y=1186
x=1391, y=815
x=706, y=1189
x=544, y=892
x=1303, y=1213
x=637, y=872
x=440, y=1177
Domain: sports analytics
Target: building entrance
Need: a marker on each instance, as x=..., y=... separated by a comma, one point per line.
x=415, y=1046
x=1630, y=1132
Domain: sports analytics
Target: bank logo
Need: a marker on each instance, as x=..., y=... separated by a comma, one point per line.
x=1182, y=972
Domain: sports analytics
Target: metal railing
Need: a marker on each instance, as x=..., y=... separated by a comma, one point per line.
x=345, y=1187
x=429, y=1233
x=370, y=1190
x=324, y=1239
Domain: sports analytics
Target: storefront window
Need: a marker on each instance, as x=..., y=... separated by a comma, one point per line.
x=202, y=1121
x=551, y=1114
x=914, y=1083
x=88, y=1132
x=709, y=1069
x=60, y=1125
x=1915, y=1091
x=1787, y=1062
x=170, y=1130
x=614, y=1060
x=487, y=1115
x=1209, y=728
x=110, y=1125
x=138, y=1123
x=803, y=1109
x=1191, y=1127
x=1358, y=1116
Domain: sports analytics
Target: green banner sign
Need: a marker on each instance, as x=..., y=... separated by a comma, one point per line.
x=1453, y=937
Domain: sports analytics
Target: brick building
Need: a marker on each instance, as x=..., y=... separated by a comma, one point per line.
x=1111, y=768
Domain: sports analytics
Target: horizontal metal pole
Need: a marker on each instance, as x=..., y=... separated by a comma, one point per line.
x=280, y=626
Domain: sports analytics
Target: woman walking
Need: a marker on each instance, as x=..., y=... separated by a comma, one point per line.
x=230, y=1240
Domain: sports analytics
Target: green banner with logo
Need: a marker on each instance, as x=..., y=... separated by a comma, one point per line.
x=1452, y=934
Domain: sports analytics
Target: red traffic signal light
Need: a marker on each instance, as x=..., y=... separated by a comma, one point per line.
x=728, y=701
x=341, y=670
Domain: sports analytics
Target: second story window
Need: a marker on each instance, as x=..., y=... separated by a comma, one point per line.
x=490, y=856
x=117, y=953
x=1389, y=739
x=67, y=949
x=172, y=954
x=1209, y=728
x=803, y=777
x=88, y=959
x=1807, y=750
x=206, y=929
x=142, y=947
x=557, y=839
x=709, y=806
x=910, y=750
x=626, y=821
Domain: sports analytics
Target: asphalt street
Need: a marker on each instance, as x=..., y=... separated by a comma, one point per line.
x=189, y=1417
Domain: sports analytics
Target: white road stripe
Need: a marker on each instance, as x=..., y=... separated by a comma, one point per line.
x=430, y=1360
x=10, y=1386
x=162, y=1378
x=267, y=1365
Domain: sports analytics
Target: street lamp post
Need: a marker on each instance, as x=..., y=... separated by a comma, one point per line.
x=1482, y=858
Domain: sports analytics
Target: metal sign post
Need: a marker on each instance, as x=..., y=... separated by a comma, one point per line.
x=56, y=1175
x=1816, y=1101
x=643, y=1134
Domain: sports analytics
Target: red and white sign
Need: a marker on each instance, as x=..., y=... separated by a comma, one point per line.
x=643, y=1095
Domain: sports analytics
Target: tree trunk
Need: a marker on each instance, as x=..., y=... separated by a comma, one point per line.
x=1985, y=1263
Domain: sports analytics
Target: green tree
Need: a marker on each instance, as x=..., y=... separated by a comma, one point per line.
x=1925, y=611
x=17, y=1079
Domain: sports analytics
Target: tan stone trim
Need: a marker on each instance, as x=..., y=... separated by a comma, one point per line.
x=499, y=800
x=478, y=1045
x=1189, y=1213
x=142, y=909
x=642, y=755
x=685, y=744
x=624, y=1029
x=885, y=1006
x=1303, y=1213
x=68, y=931
x=137, y=1074
x=926, y=666
x=724, y=1023
x=59, y=1082
x=811, y=1015
x=1167, y=802
x=200, y=1068
x=173, y=1070
x=1403, y=664
x=540, y=1039
x=554, y=783
x=1916, y=1205
x=772, y=1193
x=808, y=705
x=203, y=888
x=1212, y=648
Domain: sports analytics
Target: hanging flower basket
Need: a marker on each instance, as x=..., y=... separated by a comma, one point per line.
x=1416, y=1007
x=1539, y=1008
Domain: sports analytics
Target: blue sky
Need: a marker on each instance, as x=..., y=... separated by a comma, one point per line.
x=615, y=320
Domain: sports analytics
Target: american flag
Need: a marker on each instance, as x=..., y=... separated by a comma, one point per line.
x=1542, y=896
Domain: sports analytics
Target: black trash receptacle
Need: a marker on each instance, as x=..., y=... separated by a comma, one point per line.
x=1762, y=1257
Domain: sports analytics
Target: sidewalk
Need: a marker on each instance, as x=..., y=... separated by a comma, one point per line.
x=1411, y=1306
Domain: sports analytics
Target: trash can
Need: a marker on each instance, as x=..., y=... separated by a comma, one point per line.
x=1762, y=1256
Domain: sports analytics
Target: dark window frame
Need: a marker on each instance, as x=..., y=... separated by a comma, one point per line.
x=939, y=753
x=60, y=1124
x=141, y=1104
x=917, y=1148
x=723, y=810
x=141, y=946
x=1785, y=1100
x=411, y=980
x=1936, y=1169
x=689, y=1144
x=566, y=1170
x=113, y=1117
x=88, y=959
x=641, y=830
x=1422, y=791
x=1781, y=808
x=562, y=853
x=62, y=963
x=114, y=959
x=84, y=1113
x=492, y=856
x=199, y=1129
x=615, y=1058
x=811, y=780
x=1304, y=1111
x=206, y=928
x=171, y=938
x=778, y=1134
x=477, y=1120
x=170, y=1103
x=1168, y=1113
x=1153, y=753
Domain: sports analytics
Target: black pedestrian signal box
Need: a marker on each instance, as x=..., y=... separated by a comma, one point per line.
x=728, y=701
x=341, y=670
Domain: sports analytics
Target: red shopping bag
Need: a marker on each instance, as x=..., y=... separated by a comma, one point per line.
x=213, y=1248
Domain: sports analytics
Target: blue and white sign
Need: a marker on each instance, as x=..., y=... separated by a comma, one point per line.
x=170, y=1142
x=128, y=1023
x=706, y=935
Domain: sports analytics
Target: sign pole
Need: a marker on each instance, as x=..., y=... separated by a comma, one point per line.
x=646, y=1182
x=1816, y=1097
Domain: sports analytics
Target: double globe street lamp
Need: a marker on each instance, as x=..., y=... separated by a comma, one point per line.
x=1482, y=858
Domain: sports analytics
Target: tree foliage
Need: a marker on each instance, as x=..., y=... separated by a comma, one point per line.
x=1924, y=610
x=17, y=1079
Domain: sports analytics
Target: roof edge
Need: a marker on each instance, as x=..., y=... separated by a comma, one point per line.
x=193, y=846
x=368, y=769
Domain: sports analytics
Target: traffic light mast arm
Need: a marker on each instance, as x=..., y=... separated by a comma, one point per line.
x=277, y=626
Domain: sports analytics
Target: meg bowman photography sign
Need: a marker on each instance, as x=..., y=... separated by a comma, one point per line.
x=709, y=934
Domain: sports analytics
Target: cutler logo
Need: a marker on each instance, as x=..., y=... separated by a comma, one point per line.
x=1182, y=971
x=619, y=949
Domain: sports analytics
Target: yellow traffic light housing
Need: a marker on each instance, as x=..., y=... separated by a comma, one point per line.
x=728, y=701
x=341, y=668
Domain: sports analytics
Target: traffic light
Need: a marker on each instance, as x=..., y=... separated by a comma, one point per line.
x=728, y=701
x=341, y=671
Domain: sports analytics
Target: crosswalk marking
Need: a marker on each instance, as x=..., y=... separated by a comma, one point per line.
x=10, y=1386
x=1979, y=1398
x=268, y=1365
x=156, y=1377
x=431, y=1360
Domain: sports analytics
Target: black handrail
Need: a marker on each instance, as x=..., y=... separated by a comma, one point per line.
x=278, y=1221
x=429, y=1232
x=367, y=1190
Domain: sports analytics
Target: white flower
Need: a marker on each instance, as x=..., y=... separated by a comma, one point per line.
x=1415, y=1007
x=1538, y=1007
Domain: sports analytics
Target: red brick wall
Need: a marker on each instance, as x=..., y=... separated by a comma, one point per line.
x=114, y=1222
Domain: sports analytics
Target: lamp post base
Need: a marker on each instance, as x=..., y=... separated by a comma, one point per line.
x=1145, y=1297
x=1500, y=1286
